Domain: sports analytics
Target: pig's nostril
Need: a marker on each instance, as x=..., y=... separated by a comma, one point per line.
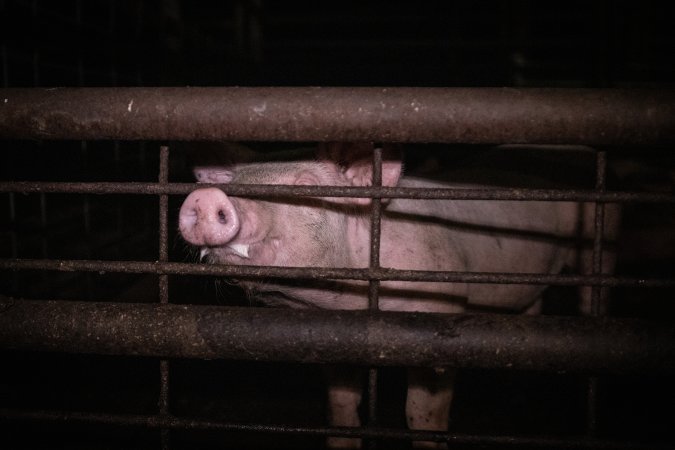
x=208, y=218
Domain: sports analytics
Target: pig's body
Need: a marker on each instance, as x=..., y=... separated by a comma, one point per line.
x=476, y=236
x=435, y=235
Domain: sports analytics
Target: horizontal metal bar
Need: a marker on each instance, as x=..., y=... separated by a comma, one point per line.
x=453, y=115
x=588, y=344
x=308, y=273
x=257, y=190
x=179, y=423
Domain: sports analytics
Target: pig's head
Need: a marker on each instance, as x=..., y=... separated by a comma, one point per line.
x=295, y=232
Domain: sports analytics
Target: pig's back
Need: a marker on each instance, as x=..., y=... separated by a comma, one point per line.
x=483, y=236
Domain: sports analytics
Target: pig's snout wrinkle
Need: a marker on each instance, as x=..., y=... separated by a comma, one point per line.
x=208, y=218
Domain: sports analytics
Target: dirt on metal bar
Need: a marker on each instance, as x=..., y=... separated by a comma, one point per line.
x=550, y=343
x=450, y=115
x=255, y=190
x=381, y=274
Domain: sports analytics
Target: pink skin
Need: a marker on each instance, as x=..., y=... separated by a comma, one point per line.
x=417, y=235
x=209, y=219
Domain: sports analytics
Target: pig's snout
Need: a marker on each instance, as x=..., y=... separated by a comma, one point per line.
x=208, y=218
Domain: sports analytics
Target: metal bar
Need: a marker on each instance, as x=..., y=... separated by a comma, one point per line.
x=254, y=190
x=596, y=291
x=381, y=274
x=375, y=228
x=461, y=115
x=550, y=343
x=87, y=219
x=13, y=237
x=163, y=222
x=163, y=402
x=601, y=168
x=178, y=423
x=374, y=285
x=43, y=225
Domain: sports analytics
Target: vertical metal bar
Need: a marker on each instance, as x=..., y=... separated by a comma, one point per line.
x=596, y=291
x=164, y=286
x=14, y=242
x=142, y=160
x=164, y=215
x=86, y=223
x=4, y=60
x=84, y=153
x=374, y=287
x=600, y=182
x=375, y=228
x=43, y=225
x=119, y=210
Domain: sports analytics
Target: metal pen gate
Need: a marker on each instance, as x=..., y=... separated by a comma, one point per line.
x=602, y=118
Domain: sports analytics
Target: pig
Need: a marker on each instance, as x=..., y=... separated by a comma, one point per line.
x=434, y=235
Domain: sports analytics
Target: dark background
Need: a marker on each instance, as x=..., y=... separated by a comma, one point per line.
x=353, y=43
x=268, y=43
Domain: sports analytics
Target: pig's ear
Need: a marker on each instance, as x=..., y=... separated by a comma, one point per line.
x=355, y=162
x=214, y=162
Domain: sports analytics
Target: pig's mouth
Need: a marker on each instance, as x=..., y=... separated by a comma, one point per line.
x=242, y=251
x=260, y=252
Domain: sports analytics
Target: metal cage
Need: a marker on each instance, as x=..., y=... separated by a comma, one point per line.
x=604, y=119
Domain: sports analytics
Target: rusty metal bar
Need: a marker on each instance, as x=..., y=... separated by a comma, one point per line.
x=254, y=190
x=163, y=219
x=13, y=239
x=163, y=401
x=381, y=274
x=375, y=228
x=550, y=343
x=459, y=115
x=374, y=285
x=179, y=423
x=596, y=291
x=599, y=225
